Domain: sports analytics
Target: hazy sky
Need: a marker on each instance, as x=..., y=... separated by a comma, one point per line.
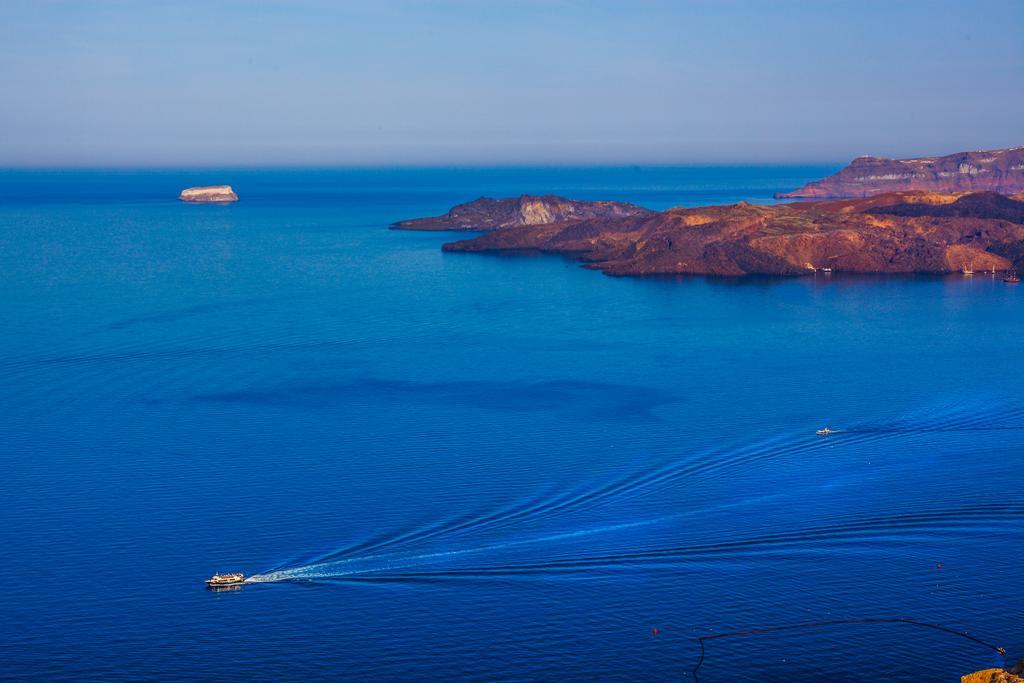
x=225, y=82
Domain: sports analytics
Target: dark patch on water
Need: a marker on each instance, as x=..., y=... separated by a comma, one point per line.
x=176, y=315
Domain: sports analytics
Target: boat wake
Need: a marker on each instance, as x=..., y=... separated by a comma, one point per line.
x=388, y=563
x=900, y=529
x=581, y=530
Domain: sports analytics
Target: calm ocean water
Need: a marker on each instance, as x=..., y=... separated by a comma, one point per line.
x=450, y=466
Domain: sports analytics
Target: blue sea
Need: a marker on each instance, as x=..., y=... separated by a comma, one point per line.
x=476, y=467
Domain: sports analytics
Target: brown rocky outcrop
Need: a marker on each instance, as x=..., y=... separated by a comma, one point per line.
x=488, y=214
x=999, y=170
x=991, y=676
x=910, y=232
x=210, y=194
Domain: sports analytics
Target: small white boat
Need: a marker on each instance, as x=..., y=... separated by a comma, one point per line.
x=823, y=432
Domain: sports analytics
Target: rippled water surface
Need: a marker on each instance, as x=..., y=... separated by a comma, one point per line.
x=446, y=466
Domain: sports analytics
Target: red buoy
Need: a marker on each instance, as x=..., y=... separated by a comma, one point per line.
x=654, y=631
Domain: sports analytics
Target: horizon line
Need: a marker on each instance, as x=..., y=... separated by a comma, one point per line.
x=415, y=166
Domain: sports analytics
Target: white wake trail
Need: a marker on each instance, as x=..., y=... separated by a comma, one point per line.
x=382, y=563
x=385, y=563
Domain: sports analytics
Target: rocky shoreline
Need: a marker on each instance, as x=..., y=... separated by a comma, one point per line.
x=1011, y=675
x=903, y=232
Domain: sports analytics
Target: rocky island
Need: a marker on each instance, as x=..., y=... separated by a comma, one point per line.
x=999, y=170
x=210, y=194
x=489, y=214
x=899, y=232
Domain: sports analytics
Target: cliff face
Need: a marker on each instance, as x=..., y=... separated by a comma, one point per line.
x=489, y=214
x=910, y=232
x=209, y=194
x=1000, y=170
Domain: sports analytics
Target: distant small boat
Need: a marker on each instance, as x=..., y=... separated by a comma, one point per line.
x=823, y=432
x=225, y=580
x=1012, y=278
x=826, y=270
x=968, y=270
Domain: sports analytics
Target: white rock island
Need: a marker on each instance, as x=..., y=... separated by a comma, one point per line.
x=209, y=194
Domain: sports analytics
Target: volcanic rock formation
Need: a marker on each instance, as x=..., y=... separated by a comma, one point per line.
x=999, y=170
x=488, y=214
x=994, y=676
x=906, y=232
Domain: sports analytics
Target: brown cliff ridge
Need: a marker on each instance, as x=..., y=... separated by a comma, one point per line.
x=906, y=232
x=489, y=214
x=998, y=170
x=211, y=194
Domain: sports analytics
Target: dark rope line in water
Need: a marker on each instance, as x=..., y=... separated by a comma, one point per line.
x=815, y=624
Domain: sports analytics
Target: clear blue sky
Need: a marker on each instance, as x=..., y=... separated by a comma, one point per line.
x=294, y=82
